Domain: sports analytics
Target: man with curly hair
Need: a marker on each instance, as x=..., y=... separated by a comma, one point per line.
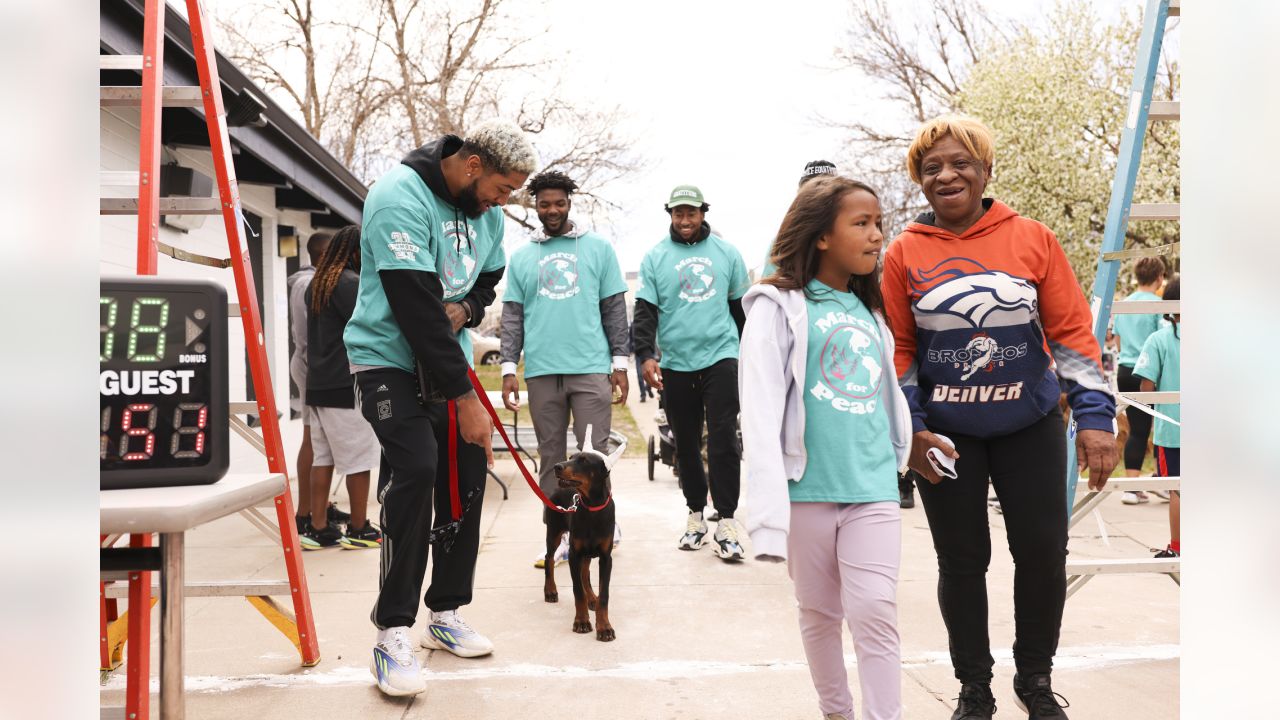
x=565, y=308
x=430, y=257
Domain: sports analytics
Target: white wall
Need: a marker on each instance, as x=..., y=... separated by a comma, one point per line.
x=118, y=249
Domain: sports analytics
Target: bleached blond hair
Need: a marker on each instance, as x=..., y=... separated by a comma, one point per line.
x=969, y=131
x=502, y=147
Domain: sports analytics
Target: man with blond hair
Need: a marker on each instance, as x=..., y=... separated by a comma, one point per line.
x=430, y=257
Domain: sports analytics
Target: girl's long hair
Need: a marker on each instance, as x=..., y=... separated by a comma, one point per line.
x=343, y=252
x=795, y=250
x=1173, y=291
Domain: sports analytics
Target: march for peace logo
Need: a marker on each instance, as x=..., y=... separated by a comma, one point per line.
x=459, y=258
x=697, y=279
x=558, y=276
x=851, y=374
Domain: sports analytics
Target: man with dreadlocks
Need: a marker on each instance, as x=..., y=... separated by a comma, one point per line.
x=565, y=307
x=430, y=257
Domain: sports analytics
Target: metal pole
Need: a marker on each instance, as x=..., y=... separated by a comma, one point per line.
x=171, y=586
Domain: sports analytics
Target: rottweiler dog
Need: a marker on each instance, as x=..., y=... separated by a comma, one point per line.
x=590, y=528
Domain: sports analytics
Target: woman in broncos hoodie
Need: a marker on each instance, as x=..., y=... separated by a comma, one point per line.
x=990, y=327
x=826, y=429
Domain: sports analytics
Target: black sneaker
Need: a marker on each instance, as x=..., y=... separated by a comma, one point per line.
x=1166, y=553
x=365, y=537
x=975, y=702
x=906, y=492
x=304, y=522
x=1036, y=696
x=334, y=515
x=328, y=536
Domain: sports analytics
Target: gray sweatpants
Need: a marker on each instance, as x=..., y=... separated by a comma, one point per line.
x=551, y=398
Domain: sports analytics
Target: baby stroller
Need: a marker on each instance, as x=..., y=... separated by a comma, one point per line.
x=662, y=447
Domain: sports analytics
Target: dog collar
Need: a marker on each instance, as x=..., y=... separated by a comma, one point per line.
x=593, y=508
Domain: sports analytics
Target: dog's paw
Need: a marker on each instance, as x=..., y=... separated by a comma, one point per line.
x=605, y=634
x=551, y=596
x=582, y=626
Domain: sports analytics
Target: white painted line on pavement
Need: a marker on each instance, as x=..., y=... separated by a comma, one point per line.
x=1078, y=658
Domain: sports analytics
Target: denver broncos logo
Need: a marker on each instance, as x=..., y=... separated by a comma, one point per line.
x=959, y=292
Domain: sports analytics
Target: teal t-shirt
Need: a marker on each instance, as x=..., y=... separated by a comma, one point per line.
x=1134, y=329
x=691, y=285
x=846, y=427
x=560, y=282
x=406, y=227
x=1160, y=362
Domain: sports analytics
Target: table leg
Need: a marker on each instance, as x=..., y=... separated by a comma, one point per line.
x=171, y=589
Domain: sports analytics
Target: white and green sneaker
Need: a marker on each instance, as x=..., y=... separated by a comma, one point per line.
x=448, y=631
x=695, y=532
x=394, y=664
x=560, y=557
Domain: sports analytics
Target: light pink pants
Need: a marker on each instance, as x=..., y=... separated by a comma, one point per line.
x=843, y=559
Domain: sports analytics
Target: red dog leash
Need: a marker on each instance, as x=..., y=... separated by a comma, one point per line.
x=455, y=499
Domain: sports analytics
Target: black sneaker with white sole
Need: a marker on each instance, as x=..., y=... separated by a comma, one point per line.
x=1036, y=696
x=975, y=702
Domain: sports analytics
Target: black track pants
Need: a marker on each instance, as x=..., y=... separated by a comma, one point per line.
x=688, y=397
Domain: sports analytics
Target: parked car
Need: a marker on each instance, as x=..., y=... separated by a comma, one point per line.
x=485, y=349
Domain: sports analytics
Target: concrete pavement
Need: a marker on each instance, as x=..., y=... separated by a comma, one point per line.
x=697, y=638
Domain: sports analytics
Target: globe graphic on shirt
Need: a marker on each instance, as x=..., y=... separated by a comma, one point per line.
x=558, y=276
x=458, y=267
x=850, y=362
x=696, y=279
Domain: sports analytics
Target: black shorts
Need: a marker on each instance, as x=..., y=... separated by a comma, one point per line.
x=1168, y=461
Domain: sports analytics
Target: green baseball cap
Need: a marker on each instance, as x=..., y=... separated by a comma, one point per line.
x=686, y=195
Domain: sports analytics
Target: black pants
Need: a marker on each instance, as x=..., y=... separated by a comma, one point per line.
x=641, y=385
x=1028, y=471
x=1135, y=448
x=688, y=397
x=414, y=475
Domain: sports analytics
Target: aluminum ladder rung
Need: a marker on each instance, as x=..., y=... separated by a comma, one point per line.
x=170, y=96
x=237, y=588
x=1129, y=484
x=1123, y=567
x=1165, y=110
x=119, y=62
x=1154, y=211
x=1147, y=398
x=168, y=206
x=118, y=178
x=1141, y=252
x=1146, y=307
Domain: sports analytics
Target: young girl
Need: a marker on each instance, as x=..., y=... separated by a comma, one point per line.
x=826, y=429
x=1159, y=368
x=340, y=436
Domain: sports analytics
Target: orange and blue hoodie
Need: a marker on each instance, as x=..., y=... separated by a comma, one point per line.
x=986, y=322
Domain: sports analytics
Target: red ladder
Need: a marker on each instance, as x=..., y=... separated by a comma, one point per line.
x=149, y=209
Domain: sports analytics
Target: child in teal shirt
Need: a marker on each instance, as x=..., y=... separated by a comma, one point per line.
x=1159, y=367
x=826, y=428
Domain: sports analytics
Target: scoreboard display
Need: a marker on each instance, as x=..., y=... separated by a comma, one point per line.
x=162, y=382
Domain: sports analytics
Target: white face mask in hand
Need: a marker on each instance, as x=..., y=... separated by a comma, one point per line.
x=943, y=465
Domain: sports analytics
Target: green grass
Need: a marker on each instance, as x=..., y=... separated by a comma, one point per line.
x=623, y=421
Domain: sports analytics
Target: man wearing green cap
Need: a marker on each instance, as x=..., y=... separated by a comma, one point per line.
x=689, y=303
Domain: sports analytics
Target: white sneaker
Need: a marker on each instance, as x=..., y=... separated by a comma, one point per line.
x=617, y=535
x=1134, y=497
x=561, y=556
x=695, y=532
x=1162, y=494
x=448, y=631
x=394, y=665
x=728, y=547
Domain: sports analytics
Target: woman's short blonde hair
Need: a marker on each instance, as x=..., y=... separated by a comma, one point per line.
x=970, y=131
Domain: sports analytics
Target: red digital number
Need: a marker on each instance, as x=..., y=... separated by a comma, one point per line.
x=147, y=432
x=182, y=430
